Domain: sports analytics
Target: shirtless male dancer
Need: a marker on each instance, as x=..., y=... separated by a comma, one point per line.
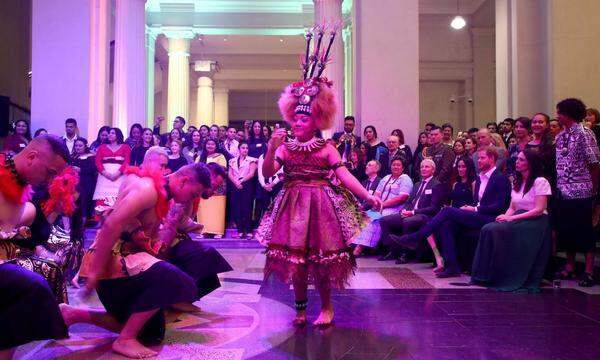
x=133, y=285
x=28, y=309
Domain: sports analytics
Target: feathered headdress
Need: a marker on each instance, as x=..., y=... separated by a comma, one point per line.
x=62, y=190
x=313, y=96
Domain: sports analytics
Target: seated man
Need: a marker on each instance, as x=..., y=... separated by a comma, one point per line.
x=425, y=201
x=28, y=309
x=492, y=197
x=133, y=285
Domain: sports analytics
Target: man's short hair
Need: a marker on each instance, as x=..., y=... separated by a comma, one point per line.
x=56, y=144
x=197, y=171
x=472, y=130
x=377, y=163
x=155, y=150
x=434, y=127
x=217, y=170
x=573, y=108
x=447, y=125
x=430, y=124
x=180, y=119
x=351, y=118
x=71, y=121
x=509, y=120
x=491, y=123
x=428, y=161
x=490, y=151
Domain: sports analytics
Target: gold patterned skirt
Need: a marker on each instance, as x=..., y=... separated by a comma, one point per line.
x=308, y=229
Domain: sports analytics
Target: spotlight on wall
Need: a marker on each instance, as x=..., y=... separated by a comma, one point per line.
x=458, y=22
x=280, y=39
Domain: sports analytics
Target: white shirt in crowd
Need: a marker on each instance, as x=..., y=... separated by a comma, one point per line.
x=70, y=142
x=241, y=167
x=526, y=202
x=485, y=178
x=232, y=147
x=273, y=180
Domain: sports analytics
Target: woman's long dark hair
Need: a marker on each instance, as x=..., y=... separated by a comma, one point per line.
x=134, y=126
x=28, y=132
x=119, y=133
x=534, y=162
x=102, y=129
x=470, y=165
x=252, y=139
x=419, y=148
x=204, y=155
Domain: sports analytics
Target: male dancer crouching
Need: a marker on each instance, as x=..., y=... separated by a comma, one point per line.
x=133, y=285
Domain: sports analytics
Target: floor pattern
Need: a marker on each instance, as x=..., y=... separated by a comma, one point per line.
x=388, y=312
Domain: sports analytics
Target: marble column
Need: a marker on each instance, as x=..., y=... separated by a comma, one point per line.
x=484, y=87
x=150, y=54
x=178, y=98
x=330, y=12
x=129, y=94
x=521, y=58
x=387, y=66
x=99, y=66
x=221, y=96
x=206, y=102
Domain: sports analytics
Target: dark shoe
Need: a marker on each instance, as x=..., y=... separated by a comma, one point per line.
x=406, y=241
x=387, y=257
x=448, y=273
x=587, y=280
x=463, y=284
x=402, y=259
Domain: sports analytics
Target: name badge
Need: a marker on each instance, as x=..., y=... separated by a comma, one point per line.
x=428, y=192
x=21, y=145
x=259, y=145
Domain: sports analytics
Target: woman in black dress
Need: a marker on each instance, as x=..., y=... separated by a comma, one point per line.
x=462, y=190
x=193, y=150
x=138, y=152
x=176, y=160
x=85, y=161
x=257, y=144
x=102, y=138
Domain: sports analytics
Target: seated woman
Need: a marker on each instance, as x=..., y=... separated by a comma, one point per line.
x=393, y=190
x=513, y=251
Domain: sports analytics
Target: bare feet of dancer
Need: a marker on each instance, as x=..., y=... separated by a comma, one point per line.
x=186, y=307
x=325, y=317
x=300, y=319
x=132, y=348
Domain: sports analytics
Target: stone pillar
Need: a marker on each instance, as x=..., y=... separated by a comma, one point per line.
x=521, y=58
x=99, y=67
x=330, y=12
x=129, y=94
x=150, y=53
x=484, y=100
x=178, y=100
x=387, y=66
x=206, y=102
x=348, y=70
x=221, y=96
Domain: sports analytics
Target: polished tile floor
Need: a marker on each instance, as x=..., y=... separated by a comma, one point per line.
x=389, y=312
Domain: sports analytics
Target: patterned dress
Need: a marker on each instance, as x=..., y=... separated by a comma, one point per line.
x=311, y=222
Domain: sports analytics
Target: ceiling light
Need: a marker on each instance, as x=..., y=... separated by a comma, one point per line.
x=280, y=39
x=458, y=22
x=225, y=39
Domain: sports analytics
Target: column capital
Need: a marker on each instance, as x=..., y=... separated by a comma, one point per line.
x=221, y=90
x=179, y=46
x=178, y=32
x=152, y=32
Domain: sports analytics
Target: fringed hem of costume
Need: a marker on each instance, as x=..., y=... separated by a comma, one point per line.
x=13, y=189
x=336, y=267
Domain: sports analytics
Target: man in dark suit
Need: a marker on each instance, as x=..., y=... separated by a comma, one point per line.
x=372, y=181
x=492, y=198
x=425, y=201
x=346, y=139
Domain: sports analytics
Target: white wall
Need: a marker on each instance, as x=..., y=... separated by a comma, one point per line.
x=60, y=63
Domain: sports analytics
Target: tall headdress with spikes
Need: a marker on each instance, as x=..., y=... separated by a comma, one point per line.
x=313, y=96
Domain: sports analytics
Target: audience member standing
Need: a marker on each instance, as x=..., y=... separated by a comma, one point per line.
x=211, y=211
x=448, y=134
x=257, y=143
x=230, y=144
x=346, y=139
x=507, y=130
x=178, y=123
x=470, y=146
x=592, y=117
x=112, y=160
x=512, y=252
x=135, y=136
x=138, y=152
x=484, y=140
x=522, y=134
x=194, y=149
x=102, y=138
x=356, y=164
x=70, y=135
x=418, y=156
x=404, y=148
x=176, y=159
x=376, y=149
x=441, y=154
x=577, y=167
x=543, y=143
x=19, y=139
x=85, y=161
x=241, y=172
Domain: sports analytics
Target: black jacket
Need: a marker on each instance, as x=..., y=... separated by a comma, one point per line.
x=431, y=199
x=496, y=198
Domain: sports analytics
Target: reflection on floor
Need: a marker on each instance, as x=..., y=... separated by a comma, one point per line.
x=389, y=312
